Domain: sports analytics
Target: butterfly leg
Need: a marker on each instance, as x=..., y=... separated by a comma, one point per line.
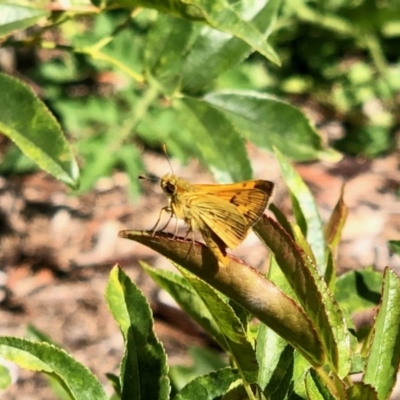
x=190, y=230
x=164, y=209
x=169, y=220
x=176, y=228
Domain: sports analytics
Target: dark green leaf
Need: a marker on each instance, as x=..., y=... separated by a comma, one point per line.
x=204, y=361
x=316, y=388
x=394, y=245
x=358, y=290
x=330, y=270
x=361, y=391
x=211, y=386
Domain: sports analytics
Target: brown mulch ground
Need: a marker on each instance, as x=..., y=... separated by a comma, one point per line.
x=56, y=251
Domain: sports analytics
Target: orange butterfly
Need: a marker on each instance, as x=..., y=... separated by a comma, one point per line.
x=222, y=213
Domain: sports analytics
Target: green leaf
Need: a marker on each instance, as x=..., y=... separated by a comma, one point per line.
x=329, y=322
x=298, y=190
x=28, y=123
x=239, y=344
x=214, y=52
x=275, y=358
x=317, y=388
x=394, y=245
x=218, y=14
x=113, y=380
x=242, y=284
x=281, y=218
x=384, y=351
x=269, y=122
x=131, y=158
x=5, y=376
x=14, y=17
x=334, y=227
x=311, y=291
x=298, y=381
x=302, y=242
x=187, y=298
x=333, y=233
x=361, y=391
x=204, y=361
x=15, y=162
x=274, y=355
x=165, y=51
x=330, y=270
x=159, y=126
x=56, y=385
x=221, y=16
x=144, y=369
x=76, y=379
x=358, y=290
x=35, y=334
x=99, y=159
x=114, y=54
x=357, y=361
x=211, y=386
x=221, y=147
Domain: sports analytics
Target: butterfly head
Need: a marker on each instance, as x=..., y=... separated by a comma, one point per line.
x=168, y=184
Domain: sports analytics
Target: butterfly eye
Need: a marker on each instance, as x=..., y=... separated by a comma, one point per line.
x=169, y=188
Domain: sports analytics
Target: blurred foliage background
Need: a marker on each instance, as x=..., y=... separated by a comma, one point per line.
x=118, y=80
x=123, y=76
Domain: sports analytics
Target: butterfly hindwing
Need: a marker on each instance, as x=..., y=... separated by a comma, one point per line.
x=221, y=217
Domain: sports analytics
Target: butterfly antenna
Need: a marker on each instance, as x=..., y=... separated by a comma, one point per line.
x=166, y=156
x=147, y=178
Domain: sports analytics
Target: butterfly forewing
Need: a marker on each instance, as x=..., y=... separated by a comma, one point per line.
x=250, y=198
x=242, y=199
